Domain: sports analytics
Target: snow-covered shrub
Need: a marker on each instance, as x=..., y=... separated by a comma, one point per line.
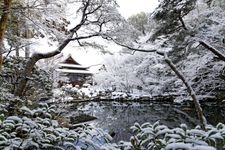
x=39, y=83
x=156, y=136
x=9, y=104
x=39, y=129
x=68, y=92
x=130, y=73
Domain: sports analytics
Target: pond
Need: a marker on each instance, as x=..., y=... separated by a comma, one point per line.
x=119, y=117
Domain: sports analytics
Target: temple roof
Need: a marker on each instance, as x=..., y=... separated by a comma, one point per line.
x=72, y=66
x=70, y=60
x=69, y=65
x=74, y=71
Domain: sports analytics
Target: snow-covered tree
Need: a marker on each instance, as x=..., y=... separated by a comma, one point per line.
x=185, y=30
x=94, y=18
x=139, y=21
x=34, y=19
x=202, y=24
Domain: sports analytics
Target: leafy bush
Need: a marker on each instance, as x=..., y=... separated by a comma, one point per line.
x=39, y=83
x=156, y=136
x=38, y=129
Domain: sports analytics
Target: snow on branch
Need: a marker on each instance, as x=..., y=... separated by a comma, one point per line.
x=85, y=37
x=189, y=89
x=213, y=50
x=126, y=46
x=83, y=18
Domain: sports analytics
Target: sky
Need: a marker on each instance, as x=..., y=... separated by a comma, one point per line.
x=131, y=7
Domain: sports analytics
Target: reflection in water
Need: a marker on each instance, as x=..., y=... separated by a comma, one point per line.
x=119, y=117
x=214, y=113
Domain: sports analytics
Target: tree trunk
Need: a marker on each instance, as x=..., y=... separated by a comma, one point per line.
x=26, y=73
x=27, y=35
x=27, y=51
x=27, y=48
x=17, y=51
x=189, y=89
x=3, y=25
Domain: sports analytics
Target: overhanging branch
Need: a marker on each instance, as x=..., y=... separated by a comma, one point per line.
x=126, y=46
x=213, y=50
x=84, y=37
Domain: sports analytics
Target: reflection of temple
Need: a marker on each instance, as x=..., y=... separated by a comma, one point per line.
x=75, y=72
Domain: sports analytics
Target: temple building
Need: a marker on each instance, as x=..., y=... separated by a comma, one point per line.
x=75, y=73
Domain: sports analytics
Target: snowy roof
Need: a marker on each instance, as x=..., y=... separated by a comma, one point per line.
x=72, y=66
x=74, y=71
x=70, y=60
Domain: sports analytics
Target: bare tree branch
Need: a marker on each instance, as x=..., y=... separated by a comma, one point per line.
x=84, y=37
x=182, y=22
x=78, y=41
x=189, y=89
x=94, y=10
x=83, y=18
x=126, y=46
x=213, y=50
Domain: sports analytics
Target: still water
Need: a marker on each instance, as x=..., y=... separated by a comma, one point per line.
x=119, y=117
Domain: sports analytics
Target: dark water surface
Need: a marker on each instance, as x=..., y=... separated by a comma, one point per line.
x=119, y=117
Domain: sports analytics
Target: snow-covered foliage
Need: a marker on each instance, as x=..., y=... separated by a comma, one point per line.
x=68, y=93
x=133, y=73
x=156, y=136
x=199, y=65
x=33, y=20
x=39, y=84
x=139, y=21
x=169, y=16
x=39, y=129
x=180, y=26
x=180, y=33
